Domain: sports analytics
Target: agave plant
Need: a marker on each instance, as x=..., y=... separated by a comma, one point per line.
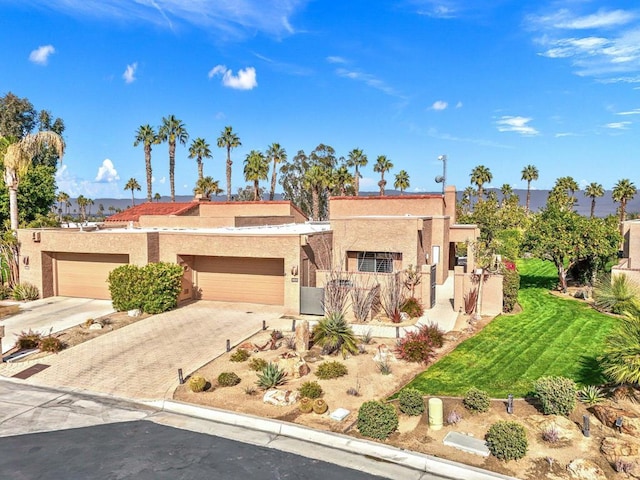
x=591, y=395
x=334, y=334
x=271, y=376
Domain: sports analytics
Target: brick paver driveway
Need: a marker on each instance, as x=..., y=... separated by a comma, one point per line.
x=141, y=360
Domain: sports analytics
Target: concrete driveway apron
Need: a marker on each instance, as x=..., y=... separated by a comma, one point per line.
x=141, y=360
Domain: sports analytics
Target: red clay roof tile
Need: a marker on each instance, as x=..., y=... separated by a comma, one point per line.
x=133, y=214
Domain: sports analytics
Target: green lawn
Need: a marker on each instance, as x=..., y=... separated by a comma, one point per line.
x=552, y=336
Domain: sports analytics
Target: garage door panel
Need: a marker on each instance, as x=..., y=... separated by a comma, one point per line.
x=85, y=274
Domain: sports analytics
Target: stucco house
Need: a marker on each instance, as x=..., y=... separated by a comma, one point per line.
x=629, y=263
x=262, y=252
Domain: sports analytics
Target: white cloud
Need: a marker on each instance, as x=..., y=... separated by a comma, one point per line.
x=369, y=80
x=74, y=186
x=516, y=124
x=129, y=74
x=635, y=111
x=41, y=54
x=601, y=19
x=245, y=80
x=336, y=59
x=439, y=105
x=107, y=173
x=618, y=125
x=566, y=134
x=459, y=105
x=437, y=8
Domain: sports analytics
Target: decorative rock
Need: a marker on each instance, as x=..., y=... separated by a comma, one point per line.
x=134, y=313
x=614, y=448
x=302, y=336
x=280, y=398
x=384, y=354
x=608, y=414
x=293, y=364
x=248, y=346
x=582, y=469
x=566, y=429
x=95, y=326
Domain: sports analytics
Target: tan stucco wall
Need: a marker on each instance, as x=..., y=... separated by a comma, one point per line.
x=492, y=294
x=419, y=205
x=172, y=221
x=631, y=248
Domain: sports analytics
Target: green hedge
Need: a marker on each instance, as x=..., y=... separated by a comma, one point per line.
x=510, y=287
x=153, y=288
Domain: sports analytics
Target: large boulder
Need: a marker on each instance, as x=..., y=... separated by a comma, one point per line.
x=583, y=469
x=281, y=398
x=293, y=364
x=617, y=447
x=302, y=336
x=608, y=414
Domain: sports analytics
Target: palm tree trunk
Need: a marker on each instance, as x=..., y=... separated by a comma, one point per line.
x=528, y=194
x=133, y=199
x=147, y=161
x=13, y=206
x=172, y=167
x=273, y=182
x=593, y=206
x=256, y=188
x=200, y=169
x=315, y=204
x=357, y=181
x=228, y=174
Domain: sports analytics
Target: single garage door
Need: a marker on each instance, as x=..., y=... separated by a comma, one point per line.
x=240, y=279
x=85, y=274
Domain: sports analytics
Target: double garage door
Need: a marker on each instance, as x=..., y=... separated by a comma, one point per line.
x=85, y=274
x=240, y=279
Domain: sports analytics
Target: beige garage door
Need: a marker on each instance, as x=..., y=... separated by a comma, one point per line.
x=239, y=279
x=85, y=274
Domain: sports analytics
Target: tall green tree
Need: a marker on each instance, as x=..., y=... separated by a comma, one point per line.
x=402, y=181
x=147, y=136
x=623, y=191
x=132, y=184
x=172, y=130
x=157, y=197
x=316, y=179
x=562, y=193
x=342, y=178
x=277, y=155
x=357, y=158
x=199, y=149
x=62, y=200
x=479, y=176
x=256, y=168
x=17, y=116
x=593, y=190
x=229, y=140
x=206, y=187
x=382, y=165
x=529, y=174
x=292, y=179
x=82, y=202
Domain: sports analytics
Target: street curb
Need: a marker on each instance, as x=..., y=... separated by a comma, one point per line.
x=414, y=460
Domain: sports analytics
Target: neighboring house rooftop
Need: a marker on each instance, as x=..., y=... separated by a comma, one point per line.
x=133, y=214
x=287, y=229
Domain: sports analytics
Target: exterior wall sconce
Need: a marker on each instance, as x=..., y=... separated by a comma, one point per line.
x=25, y=260
x=294, y=270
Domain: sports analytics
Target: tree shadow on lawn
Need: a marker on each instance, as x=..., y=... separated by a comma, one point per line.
x=589, y=371
x=538, y=281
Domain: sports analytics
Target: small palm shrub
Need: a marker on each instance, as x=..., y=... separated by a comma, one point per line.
x=306, y=405
x=411, y=402
x=197, y=383
x=28, y=339
x=271, y=376
x=557, y=395
x=420, y=346
x=377, y=419
x=228, y=379
x=50, y=344
x=507, y=440
x=591, y=395
x=311, y=390
x=619, y=360
x=25, y=292
x=320, y=406
x=329, y=370
x=476, y=400
x=334, y=335
x=616, y=295
x=257, y=364
x=240, y=355
x=412, y=307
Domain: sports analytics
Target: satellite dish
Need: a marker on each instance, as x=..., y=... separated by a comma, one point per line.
x=439, y=179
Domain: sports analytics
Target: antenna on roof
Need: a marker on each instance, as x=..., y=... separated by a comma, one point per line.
x=442, y=178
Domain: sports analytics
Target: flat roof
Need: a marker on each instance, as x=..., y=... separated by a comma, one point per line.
x=286, y=229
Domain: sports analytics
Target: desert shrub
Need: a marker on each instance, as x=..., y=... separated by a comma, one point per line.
x=5, y=292
x=557, y=395
x=476, y=400
x=290, y=342
x=25, y=291
x=470, y=301
x=334, y=334
x=329, y=370
x=551, y=435
x=320, y=406
x=306, y=405
x=412, y=307
x=228, y=379
x=250, y=390
x=377, y=419
x=591, y=395
x=617, y=295
x=125, y=283
x=510, y=287
x=240, y=355
x=507, y=440
x=453, y=417
x=271, y=376
x=623, y=466
x=29, y=339
x=384, y=367
x=367, y=337
x=392, y=297
x=419, y=346
x=411, y=402
x=257, y=364
x=311, y=390
x=50, y=344
x=197, y=383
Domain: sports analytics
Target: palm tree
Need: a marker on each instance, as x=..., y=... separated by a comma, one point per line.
x=357, y=159
x=256, y=168
x=507, y=192
x=402, y=181
x=594, y=190
x=172, y=130
x=341, y=179
x=382, y=165
x=623, y=191
x=206, y=187
x=132, y=184
x=18, y=158
x=479, y=176
x=467, y=197
x=277, y=154
x=146, y=135
x=90, y=202
x=157, y=197
x=529, y=173
x=228, y=140
x=199, y=149
x=315, y=179
x=62, y=199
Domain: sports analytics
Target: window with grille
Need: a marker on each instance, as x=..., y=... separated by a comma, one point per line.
x=375, y=262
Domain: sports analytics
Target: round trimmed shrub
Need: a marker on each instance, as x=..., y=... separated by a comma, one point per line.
x=197, y=383
x=476, y=400
x=306, y=405
x=377, y=419
x=557, y=395
x=257, y=364
x=311, y=390
x=240, y=355
x=228, y=379
x=320, y=406
x=329, y=370
x=411, y=402
x=507, y=440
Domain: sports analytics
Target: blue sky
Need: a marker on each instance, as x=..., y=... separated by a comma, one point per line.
x=502, y=83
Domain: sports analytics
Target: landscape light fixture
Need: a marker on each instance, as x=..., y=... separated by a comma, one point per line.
x=510, y=404
x=442, y=178
x=585, y=426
